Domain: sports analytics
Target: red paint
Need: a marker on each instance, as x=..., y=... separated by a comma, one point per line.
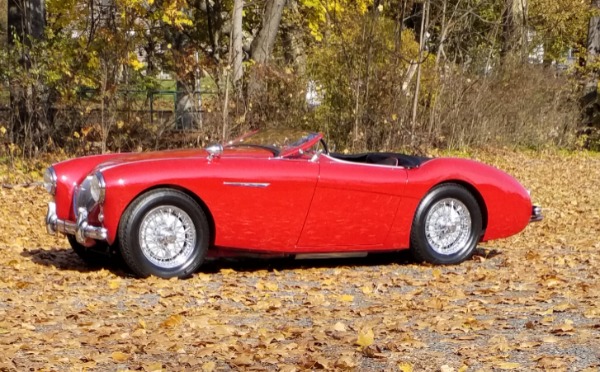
x=323, y=206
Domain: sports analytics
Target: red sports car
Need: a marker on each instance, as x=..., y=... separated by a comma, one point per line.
x=278, y=192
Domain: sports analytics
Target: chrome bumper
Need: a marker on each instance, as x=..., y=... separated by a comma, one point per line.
x=81, y=229
x=536, y=214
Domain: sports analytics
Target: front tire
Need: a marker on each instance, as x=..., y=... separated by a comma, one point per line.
x=164, y=233
x=447, y=226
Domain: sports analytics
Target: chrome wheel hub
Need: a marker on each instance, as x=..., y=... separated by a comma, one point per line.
x=448, y=226
x=167, y=236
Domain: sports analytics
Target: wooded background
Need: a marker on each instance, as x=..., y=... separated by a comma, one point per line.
x=96, y=75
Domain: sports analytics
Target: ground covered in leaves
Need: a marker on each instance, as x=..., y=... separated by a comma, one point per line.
x=529, y=302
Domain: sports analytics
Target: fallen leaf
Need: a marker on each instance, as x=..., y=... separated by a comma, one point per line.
x=119, y=356
x=405, y=367
x=172, y=321
x=340, y=327
x=508, y=365
x=365, y=337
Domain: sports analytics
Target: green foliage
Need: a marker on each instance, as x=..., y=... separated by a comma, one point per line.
x=559, y=25
x=361, y=56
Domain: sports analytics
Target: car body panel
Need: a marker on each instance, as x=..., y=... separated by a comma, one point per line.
x=367, y=195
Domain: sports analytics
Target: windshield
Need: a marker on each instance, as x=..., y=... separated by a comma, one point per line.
x=280, y=141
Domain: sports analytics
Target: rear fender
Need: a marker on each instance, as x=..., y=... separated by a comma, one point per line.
x=506, y=202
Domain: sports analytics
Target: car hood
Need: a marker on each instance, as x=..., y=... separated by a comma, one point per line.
x=200, y=154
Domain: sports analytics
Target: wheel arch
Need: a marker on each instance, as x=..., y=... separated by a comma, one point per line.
x=478, y=197
x=209, y=217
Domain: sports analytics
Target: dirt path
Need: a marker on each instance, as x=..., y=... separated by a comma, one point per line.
x=529, y=302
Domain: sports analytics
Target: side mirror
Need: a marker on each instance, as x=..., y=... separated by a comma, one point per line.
x=214, y=151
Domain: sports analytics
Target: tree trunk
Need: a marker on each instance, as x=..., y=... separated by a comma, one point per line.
x=262, y=45
x=423, y=27
x=25, y=18
x=589, y=101
x=593, y=42
x=293, y=43
x=236, y=33
x=514, y=22
x=26, y=22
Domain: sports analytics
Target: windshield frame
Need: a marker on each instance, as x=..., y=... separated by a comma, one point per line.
x=296, y=144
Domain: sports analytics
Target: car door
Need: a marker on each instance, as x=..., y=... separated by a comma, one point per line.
x=354, y=206
x=261, y=204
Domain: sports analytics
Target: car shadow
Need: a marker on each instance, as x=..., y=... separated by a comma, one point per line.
x=67, y=260
x=248, y=264
x=486, y=253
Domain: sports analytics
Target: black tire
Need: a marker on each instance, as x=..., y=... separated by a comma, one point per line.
x=440, y=199
x=99, y=255
x=140, y=257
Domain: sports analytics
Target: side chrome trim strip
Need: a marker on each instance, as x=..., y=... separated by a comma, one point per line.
x=247, y=184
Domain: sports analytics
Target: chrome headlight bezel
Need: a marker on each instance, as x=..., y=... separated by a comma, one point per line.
x=98, y=188
x=50, y=180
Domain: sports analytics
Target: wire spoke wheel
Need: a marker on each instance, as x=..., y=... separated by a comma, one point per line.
x=164, y=233
x=167, y=236
x=448, y=226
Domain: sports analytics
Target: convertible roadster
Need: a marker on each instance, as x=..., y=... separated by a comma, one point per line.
x=280, y=193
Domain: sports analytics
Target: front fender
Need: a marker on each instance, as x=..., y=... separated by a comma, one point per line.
x=126, y=182
x=71, y=173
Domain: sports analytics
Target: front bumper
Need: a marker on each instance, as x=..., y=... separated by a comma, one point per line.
x=536, y=214
x=82, y=230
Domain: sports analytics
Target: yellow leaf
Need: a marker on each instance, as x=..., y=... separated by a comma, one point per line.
x=365, y=338
x=209, y=366
x=271, y=286
x=346, y=298
x=153, y=367
x=142, y=324
x=76, y=134
x=85, y=131
x=120, y=124
x=405, y=367
x=436, y=273
x=508, y=365
x=172, y=321
x=114, y=284
x=119, y=356
x=3, y=130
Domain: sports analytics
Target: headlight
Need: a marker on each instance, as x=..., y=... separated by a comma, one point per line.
x=98, y=188
x=50, y=180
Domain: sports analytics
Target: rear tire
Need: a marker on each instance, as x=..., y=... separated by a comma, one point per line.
x=164, y=233
x=447, y=226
